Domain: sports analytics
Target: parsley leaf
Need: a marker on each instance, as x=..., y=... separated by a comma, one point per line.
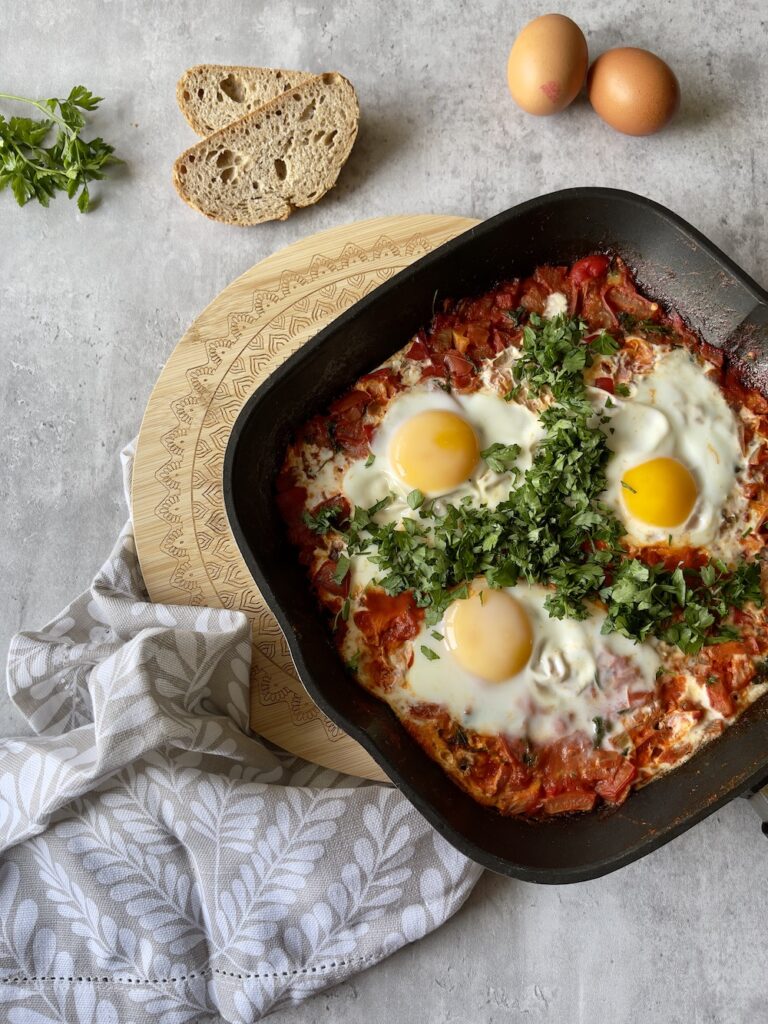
x=501, y=457
x=604, y=344
x=341, y=570
x=516, y=315
x=631, y=324
x=325, y=519
x=429, y=654
x=35, y=171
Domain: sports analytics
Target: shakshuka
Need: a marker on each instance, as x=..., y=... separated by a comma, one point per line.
x=537, y=533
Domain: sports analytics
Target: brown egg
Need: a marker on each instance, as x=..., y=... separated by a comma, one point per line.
x=547, y=64
x=633, y=90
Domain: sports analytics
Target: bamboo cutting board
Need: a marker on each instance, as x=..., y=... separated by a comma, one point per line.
x=187, y=553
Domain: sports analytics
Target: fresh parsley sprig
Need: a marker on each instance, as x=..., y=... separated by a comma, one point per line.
x=35, y=171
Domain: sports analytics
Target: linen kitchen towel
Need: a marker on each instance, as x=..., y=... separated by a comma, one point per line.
x=161, y=863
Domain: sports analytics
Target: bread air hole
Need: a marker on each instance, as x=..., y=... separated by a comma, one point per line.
x=232, y=86
x=280, y=169
x=225, y=158
x=200, y=93
x=227, y=174
x=330, y=137
x=187, y=95
x=309, y=111
x=191, y=158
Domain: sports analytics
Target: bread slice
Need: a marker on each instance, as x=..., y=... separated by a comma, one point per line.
x=211, y=96
x=286, y=154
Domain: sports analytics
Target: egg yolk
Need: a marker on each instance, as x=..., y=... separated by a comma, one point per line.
x=434, y=451
x=489, y=634
x=660, y=492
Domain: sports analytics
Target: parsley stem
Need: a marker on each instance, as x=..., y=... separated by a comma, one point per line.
x=39, y=168
x=50, y=115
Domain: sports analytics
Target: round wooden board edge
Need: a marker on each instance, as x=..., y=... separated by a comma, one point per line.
x=151, y=454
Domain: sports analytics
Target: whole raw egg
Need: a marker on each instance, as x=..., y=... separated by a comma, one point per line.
x=633, y=90
x=547, y=64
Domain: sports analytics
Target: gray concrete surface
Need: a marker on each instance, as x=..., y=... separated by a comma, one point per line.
x=91, y=306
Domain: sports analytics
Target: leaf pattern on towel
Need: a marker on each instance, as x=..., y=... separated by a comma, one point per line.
x=162, y=863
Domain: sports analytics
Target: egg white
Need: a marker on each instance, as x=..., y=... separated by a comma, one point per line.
x=676, y=411
x=492, y=419
x=574, y=674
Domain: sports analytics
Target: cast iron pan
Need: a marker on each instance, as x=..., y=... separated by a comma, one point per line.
x=674, y=264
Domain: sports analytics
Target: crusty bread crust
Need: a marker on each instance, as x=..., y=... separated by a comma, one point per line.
x=212, y=96
x=284, y=155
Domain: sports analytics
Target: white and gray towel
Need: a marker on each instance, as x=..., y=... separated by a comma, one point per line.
x=161, y=863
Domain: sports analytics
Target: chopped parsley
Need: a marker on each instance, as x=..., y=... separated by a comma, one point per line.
x=429, y=654
x=630, y=323
x=343, y=612
x=325, y=519
x=600, y=730
x=341, y=570
x=501, y=457
x=516, y=315
x=553, y=528
x=680, y=606
x=370, y=461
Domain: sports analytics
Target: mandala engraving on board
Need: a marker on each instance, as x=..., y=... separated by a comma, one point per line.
x=257, y=341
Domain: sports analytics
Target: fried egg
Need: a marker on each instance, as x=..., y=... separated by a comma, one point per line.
x=499, y=664
x=676, y=451
x=430, y=441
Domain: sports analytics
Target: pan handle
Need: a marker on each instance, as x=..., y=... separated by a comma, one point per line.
x=747, y=348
